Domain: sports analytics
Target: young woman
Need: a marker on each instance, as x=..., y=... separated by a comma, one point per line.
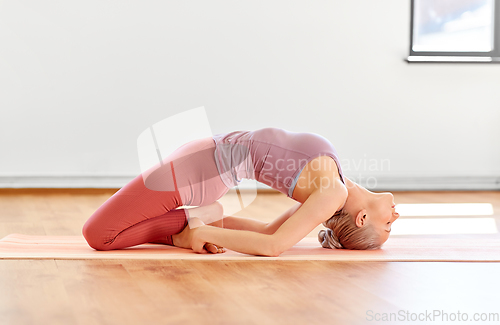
x=304, y=166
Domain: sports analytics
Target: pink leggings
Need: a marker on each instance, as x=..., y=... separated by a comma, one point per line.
x=145, y=211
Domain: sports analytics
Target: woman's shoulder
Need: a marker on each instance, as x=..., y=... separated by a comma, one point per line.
x=319, y=175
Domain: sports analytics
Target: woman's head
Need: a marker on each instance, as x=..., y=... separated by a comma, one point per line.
x=342, y=232
x=363, y=223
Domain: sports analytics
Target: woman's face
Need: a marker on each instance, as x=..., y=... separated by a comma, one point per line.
x=375, y=209
x=381, y=213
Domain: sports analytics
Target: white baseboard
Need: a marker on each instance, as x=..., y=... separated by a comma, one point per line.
x=384, y=183
x=64, y=181
x=443, y=183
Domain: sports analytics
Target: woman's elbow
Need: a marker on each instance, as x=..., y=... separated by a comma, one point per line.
x=273, y=248
x=267, y=229
x=274, y=253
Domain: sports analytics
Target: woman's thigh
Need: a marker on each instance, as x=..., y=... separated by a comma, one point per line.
x=196, y=173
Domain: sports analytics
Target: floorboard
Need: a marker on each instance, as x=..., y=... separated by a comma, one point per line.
x=227, y=292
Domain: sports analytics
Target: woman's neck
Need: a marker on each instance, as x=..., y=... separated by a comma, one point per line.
x=355, y=193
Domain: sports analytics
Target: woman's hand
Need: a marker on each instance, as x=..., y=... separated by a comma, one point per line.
x=188, y=239
x=200, y=246
x=214, y=249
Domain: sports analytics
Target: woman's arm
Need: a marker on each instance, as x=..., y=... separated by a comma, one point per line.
x=274, y=225
x=318, y=207
x=214, y=211
x=213, y=215
x=241, y=223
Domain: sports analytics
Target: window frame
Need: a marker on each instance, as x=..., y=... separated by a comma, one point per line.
x=458, y=57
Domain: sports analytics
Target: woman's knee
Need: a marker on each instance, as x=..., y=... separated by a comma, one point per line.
x=94, y=236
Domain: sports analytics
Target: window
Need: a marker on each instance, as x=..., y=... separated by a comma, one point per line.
x=455, y=31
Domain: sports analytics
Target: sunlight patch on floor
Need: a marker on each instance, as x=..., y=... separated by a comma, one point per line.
x=444, y=226
x=444, y=209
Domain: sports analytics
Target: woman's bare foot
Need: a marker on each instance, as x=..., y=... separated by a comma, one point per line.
x=204, y=214
x=181, y=240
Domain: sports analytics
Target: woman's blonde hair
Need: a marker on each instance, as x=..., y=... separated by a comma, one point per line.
x=342, y=232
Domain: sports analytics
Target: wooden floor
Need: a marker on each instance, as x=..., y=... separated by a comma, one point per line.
x=230, y=292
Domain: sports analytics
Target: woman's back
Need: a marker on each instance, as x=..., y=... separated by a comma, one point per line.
x=271, y=156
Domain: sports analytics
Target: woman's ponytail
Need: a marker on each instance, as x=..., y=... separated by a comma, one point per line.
x=328, y=239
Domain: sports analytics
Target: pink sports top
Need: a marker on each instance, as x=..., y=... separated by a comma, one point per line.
x=271, y=156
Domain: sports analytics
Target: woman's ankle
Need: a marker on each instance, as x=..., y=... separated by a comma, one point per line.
x=175, y=240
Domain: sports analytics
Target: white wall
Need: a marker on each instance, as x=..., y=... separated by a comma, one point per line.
x=79, y=81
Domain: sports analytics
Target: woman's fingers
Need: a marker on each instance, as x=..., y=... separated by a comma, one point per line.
x=211, y=248
x=214, y=249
